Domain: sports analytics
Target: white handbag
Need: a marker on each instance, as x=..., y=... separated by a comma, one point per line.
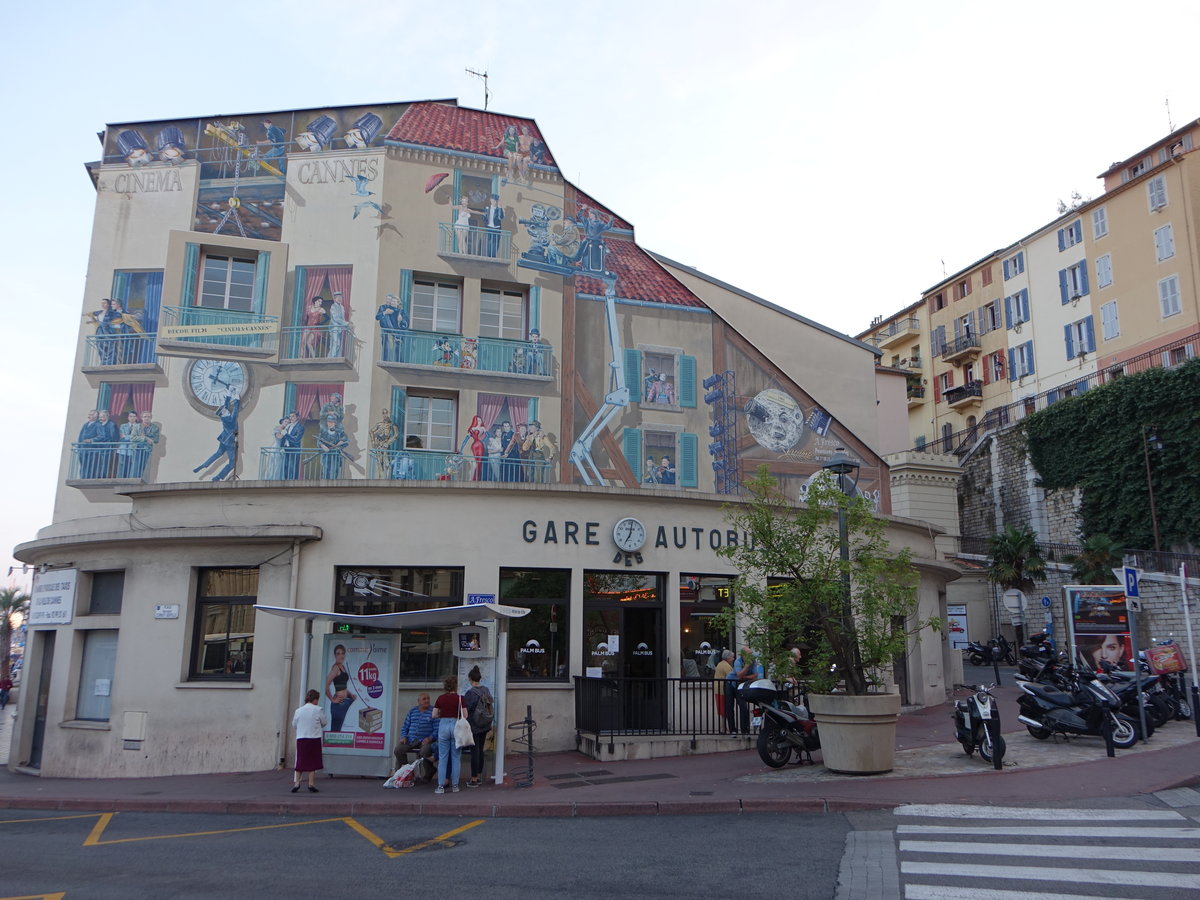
x=462, y=729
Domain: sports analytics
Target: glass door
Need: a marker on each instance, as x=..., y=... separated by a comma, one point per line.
x=624, y=646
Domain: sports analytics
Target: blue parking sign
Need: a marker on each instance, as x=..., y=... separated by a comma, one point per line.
x=1131, y=582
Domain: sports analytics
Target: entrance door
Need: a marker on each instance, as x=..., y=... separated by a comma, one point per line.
x=46, y=638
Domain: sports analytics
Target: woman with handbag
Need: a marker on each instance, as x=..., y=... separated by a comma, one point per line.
x=480, y=707
x=448, y=709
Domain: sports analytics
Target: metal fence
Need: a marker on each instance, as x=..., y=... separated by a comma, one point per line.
x=490, y=244
x=454, y=351
x=317, y=342
x=221, y=327
x=441, y=465
x=106, y=461
x=121, y=349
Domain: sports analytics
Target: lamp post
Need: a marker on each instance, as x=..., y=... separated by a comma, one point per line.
x=1149, y=437
x=843, y=465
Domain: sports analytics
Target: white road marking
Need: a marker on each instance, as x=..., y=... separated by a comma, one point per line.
x=1074, y=831
x=1053, y=851
x=954, y=811
x=1079, y=876
x=944, y=892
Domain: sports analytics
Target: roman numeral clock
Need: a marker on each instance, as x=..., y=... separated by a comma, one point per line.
x=209, y=381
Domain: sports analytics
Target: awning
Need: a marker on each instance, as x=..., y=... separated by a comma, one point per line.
x=416, y=618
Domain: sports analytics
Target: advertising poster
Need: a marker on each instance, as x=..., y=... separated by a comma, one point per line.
x=956, y=626
x=359, y=677
x=1100, y=626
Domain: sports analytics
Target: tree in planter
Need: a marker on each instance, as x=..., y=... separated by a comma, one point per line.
x=13, y=601
x=800, y=546
x=1095, y=563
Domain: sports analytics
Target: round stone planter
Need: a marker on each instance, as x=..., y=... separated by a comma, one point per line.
x=858, y=733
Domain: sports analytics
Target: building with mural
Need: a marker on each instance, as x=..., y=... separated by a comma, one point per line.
x=381, y=358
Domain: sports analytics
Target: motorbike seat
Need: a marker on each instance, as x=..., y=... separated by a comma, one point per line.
x=1050, y=695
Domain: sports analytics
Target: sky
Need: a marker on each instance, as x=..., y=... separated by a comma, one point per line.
x=835, y=159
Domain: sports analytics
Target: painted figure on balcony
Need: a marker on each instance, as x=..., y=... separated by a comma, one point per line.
x=476, y=449
x=535, y=354
x=128, y=450
x=338, y=326
x=89, y=434
x=524, y=148
x=151, y=432
x=106, y=341
x=462, y=225
x=127, y=326
x=227, y=440
x=332, y=442
x=444, y=353
x=493, y=215
x=495, y=452
x=384, y=432
x=392, y=325
x=333, y=408
x=293, y=436
x=508, y=143
x=666, y=471
x=315, y=320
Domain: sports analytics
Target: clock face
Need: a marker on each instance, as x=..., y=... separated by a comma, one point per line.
x=210, y=381
x=629, y=534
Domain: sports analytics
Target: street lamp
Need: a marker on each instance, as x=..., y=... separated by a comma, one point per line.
x=1151, y=439
x=843, y=466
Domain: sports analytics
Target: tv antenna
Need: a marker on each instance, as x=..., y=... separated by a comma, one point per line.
x=486, y=92
x=1170, y=124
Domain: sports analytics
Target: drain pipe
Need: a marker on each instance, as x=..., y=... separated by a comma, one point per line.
x=289, y=654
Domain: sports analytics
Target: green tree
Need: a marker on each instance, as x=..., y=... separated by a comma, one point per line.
x=800, y=546
x=1095, y=563
x=1015, y=562
x=13, y=602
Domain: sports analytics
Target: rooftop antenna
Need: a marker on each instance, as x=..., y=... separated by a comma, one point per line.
x=1170, y=124
x=486, y=92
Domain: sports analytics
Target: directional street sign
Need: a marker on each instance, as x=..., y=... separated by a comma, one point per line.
x=1131, y=581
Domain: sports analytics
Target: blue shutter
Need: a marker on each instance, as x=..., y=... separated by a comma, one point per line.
x=533, y=410
x=1083, y=278
x=1062, y=286
x=1051, y=397
x=1029, y=355
x=633, y=376
x=685, y=391
x=120, y=287
x=191, y=271
x=298, y=298
x=262, y=273
x=687, y=460
x=631, y=446
x=1062, y=240
x=1089, y=327
x=1070, y=342
x=406, y=287
x=104, y=396
x=1012, y=364
x=1008, y=322
x=399, y=403
x=289, y=398
x=457, y=188
x=1004, y=265
x=535, y=308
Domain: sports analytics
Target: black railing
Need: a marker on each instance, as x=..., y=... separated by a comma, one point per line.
x=959, y=344
x=962, y=392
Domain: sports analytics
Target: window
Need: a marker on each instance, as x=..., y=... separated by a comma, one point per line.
x=227, y=282
x=425, y=654
x=945, y=381
x=1020, y=361
x=964, y=326
x=660, y=376
x=701, y=597
x=1110, y=324
x=1070, y=235
x=1136, y=169
x=1016, y=309
x=1104, y=276
x=947, y=438
x=432, y=420
x=964, y=288
x=1073, y=282
x=140, y=294
x=1080, y=337
x=1099, y=222
x=435, y=306
x=939, y=301
x=107, y=591
x=502, y=314
x=985, y=276
x=1014, y=265
x=968, y=371
x=1164, y=242
x=989, y=317
x=1168, y=296
x=919, y=443
x=1178, y=355
x=994, y=366
x=1156, y=192
x=664, y=458
x=94, y=701
x=223, y=642
x=539, y=643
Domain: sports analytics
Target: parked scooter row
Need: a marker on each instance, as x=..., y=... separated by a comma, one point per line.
x=998, y=649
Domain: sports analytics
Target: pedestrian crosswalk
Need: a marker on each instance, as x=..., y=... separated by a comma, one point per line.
x=952, y=852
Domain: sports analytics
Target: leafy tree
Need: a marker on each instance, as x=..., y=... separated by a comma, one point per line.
x=1015, y=562
x=800, y=545
x=1095, y=564
x=13, y=601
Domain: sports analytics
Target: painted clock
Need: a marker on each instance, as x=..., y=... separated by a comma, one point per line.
x=209, y=381
x=629, y=534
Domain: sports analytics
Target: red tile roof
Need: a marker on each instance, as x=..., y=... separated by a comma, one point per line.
x=639, y=277
x=457, y=128
x=583, y=200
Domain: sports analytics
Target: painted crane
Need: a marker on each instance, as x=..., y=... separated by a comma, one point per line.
x=615, y=400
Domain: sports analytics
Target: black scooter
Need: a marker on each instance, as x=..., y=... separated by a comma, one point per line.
x=1089, y=708
x=977, y=654
x=787, y=728
x=977, y=724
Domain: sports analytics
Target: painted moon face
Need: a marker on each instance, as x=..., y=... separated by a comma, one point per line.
x=775, y=419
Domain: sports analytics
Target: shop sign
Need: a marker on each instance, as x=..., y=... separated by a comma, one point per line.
x=53, y=598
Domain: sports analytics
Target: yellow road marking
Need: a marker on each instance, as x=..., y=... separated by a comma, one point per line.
x=55, y=896
x=45, y=819
x=93, y=839
x=380, y=844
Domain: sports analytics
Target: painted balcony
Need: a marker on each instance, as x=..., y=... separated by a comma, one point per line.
x=471, y=242
x=117, y=350
x=439, y=465
x=108, y=462
x=198, y=328
x=301, y=464
x=317, y=345
x=453, y=351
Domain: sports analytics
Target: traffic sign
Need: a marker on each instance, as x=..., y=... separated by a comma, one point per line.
x=1046, y=602
x=1131, y=581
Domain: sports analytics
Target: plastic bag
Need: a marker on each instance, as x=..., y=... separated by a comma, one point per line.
x=402, y=777
x=462, y=732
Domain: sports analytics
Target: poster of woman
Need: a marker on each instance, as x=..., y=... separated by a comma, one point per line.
x=358, y=694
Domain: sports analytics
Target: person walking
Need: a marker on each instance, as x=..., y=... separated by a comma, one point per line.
x=721, y=690
x=481, y=709
x=446, y=709
x=309, y=722
x=6, y=684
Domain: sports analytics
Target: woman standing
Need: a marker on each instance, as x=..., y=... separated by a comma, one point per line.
x=446, y=709
x=337, y=688
x=309, y=722
x=478, y=695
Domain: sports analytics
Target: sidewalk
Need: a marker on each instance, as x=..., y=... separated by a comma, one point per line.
x=930, y=768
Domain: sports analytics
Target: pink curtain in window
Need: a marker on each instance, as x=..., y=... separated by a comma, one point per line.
x=518, y=408
x=339, y=280
x=119, y=395
x=306, y=395
x=489, y=408
x=143, y=398
x=314, y=282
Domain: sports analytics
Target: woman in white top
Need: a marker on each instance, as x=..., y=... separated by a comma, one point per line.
x=309, y=722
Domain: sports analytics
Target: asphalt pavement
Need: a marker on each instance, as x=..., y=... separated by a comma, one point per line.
x=930, y=768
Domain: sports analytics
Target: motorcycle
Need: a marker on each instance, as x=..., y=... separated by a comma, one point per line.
x=787, y=728
x=1037, y=657
x=1007, y=654
x=1089, y=708
x=977, y=654
x=977, y=723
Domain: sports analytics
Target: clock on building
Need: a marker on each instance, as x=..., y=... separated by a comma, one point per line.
x=209, y=381
x=629, y=534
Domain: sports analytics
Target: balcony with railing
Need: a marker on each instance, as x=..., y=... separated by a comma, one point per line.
x=317, y=345
x=895, y=332
x=916, y=394
x=200, y=328
x=471, y=242
x=454, y=351
x=440, y=465
x=961, y=348
x=969, y=394
x=106, y=462
x=110, y=351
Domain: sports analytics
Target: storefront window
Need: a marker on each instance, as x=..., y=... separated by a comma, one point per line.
x=538, y=643
x=424, y=652
x=623, y=625
x=224, y=637
x=701, y=598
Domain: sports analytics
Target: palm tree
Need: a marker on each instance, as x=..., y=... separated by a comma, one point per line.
x=1094, y=565
x=1015, y=562
x=12, y=601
